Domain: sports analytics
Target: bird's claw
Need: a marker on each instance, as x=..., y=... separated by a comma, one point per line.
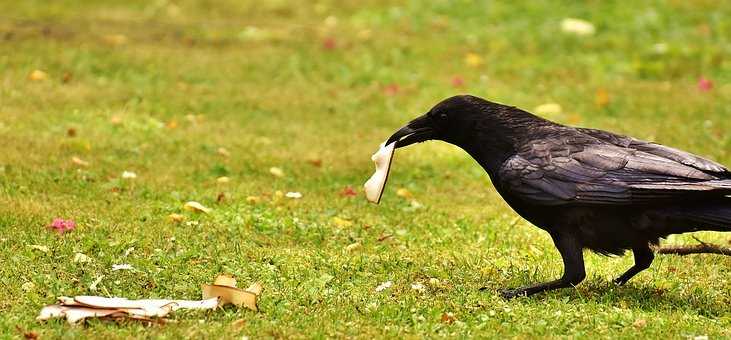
x=619, y=281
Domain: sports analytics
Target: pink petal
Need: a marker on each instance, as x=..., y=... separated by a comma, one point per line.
x=705, y=84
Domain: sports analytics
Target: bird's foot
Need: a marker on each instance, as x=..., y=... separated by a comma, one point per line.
x=620, y=281
x=513, y=293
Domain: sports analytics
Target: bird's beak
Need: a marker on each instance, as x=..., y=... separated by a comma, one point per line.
x=416, y=131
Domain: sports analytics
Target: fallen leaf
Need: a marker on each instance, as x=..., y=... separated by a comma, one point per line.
x=40, y=248
x=223, y=152
x=384, y=237
x=253, y=199
x=225, y=280
x=330, y=22
x=124, y=266
x=115, y=39
x=639, y=323
x=315, y=162
x=329, y=43
x=348, y=192
x=37, y=75
x=391, y=89
x=71, y=132
x=67, y=76
x=231, y=295
x=577, y=26
x=365, y=34
x=28, y=286
x=418, y=286
x=255, y=288
x=78, y=161
x=81, y=258
x=129, y=175
x=278, y=172
x=221, y=197
x=28, y=335
x=353, y=246
x=294, y=195
x=177, y=218
x=384, y=286
x=473, y=59
x=93, y=285
x=448, y=318
x=238, y=324
x=601, y=98
x=403, y=192
x=196, y=207
x=548, y=109
x=116, y=120
x=341, y=222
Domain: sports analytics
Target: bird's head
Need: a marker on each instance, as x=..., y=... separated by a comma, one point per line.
x=453, y=120
x=488, y=131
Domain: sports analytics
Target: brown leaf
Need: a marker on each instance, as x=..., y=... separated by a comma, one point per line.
x=448, y=318
x=348, y=192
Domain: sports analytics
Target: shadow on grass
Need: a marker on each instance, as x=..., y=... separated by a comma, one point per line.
x=647, y=297
x=641, y=296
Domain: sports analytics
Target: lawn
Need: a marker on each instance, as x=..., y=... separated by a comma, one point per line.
x=181, y=93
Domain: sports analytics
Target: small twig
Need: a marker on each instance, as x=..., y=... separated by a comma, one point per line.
x=702, y=248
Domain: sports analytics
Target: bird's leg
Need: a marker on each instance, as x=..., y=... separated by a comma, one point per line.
x=573, y=261
x=643, y=258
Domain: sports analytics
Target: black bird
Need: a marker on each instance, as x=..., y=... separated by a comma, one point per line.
x=589, y=189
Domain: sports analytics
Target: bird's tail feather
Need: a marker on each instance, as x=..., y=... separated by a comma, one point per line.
x=713, y=216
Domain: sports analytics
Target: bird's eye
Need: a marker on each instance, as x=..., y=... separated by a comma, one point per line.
x=443, y=117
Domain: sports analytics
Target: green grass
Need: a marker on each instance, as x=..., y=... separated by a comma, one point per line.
x=273, y=95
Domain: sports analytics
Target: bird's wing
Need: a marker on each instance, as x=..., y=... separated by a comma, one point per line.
x=659, y=150
x=580, y=169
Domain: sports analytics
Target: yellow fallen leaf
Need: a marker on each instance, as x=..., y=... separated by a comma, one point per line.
x=548, y=109
x=223, y=152
x=177, y=218
x=353, y=246
x=341, y=222
x=223, y=180
x=403, y=192
x=115, y=39
x=601, y=98
x=196, y=207
x=253, y=199
x=276, y=171
x=37, y=75
x=473, y=60
x=78, y=161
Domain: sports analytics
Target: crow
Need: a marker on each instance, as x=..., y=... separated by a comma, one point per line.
x=588, y=188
